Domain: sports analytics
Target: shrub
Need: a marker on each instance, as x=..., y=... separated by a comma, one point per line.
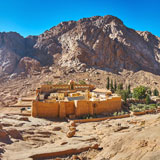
x=146, y=107
x=148, y=100
x=152, y=106
x=136, y=110
x=155, y=92
x=124, y=94
x=139, y=92
x=48, y=82
x=115, y=114
x=140, y=106
x=82, y=82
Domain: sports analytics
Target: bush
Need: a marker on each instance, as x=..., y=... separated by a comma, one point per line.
x=115, y=114
x=136, y=110
x=124, y=94
x=140, y=106
x=146, y=107
x=152, y=106
x=139, y=92
x=148, y=100
x=155, y=92
x=48, y=82
x=82, y=82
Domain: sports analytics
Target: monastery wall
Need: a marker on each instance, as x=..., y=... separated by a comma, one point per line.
x=45, y=110
x=82, y=107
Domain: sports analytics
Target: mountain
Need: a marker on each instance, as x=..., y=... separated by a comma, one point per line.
x=100, y=42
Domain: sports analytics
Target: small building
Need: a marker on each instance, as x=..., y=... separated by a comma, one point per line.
x=102, y=92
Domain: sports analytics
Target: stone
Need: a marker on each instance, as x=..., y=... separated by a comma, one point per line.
x=75, y=157
x=14, y=133
x=63, y=143
x=57, y=128
x=4, y=137
x=14, y=75
x=70, y=134
x=23, y=119
x=72, y=128
x=119, y=128
x=95, y=146
x=72, y=123
x=1, y=127
x=28, y=65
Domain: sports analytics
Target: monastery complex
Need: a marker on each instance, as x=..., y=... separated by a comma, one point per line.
x=73, y=100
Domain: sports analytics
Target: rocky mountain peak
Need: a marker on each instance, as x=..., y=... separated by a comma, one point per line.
x=100, y=42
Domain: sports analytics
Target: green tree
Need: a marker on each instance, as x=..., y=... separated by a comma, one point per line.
x=108, y=82
x=129, y=89
x=147, y=99
x=155, y=92
x=149, y=91
x=139, y=92
x=115, y=85
x=112, y=89
x=123, y=93
x=120, y=86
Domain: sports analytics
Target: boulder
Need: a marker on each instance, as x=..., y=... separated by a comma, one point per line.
x=14, y=134
x=57, y=128
x=70, y=134
x=72, y=123
x=4, y=137
x=1, y=127
x=28, y=65
x=72, y=128
x=23, y=119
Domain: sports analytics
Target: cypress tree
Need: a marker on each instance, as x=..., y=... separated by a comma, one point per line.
x=107, y=86
x=155, y=92
x=147, y=99
x=115, y=85
x=125, y=97
x=120, y=86
x=129, y=88
x=112, y=89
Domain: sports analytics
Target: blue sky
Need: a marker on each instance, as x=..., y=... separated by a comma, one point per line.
x=33, y=17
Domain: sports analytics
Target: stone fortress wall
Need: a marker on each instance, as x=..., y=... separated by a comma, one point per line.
x=63, y=109
x=60, y=108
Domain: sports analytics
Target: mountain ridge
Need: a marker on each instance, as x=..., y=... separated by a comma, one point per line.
x=100, y=42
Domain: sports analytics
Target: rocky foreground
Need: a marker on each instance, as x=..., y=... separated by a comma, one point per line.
x=133, y=138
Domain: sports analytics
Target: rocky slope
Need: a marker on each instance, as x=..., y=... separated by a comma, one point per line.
x=99, y=42
x=129, y=138
x=103, y=42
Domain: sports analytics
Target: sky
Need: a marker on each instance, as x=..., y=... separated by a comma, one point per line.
x=33, y=17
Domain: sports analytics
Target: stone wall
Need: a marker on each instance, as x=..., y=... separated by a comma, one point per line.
x=45, y=110
x=78, y=108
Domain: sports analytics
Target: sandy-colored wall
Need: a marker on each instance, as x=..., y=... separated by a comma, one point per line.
x=63, y=109
x=98, y=107
x=108, y=106
x=66, y=109
x=45, y=110
x=83, y=108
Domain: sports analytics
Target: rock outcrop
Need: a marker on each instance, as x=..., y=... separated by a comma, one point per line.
x=100, y=42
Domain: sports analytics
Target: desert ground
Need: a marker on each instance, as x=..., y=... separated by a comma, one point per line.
x=25, y=137
x=133, y=138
